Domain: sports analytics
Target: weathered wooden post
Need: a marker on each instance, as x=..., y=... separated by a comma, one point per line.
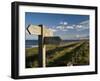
x=42, y=48
x=40, y=51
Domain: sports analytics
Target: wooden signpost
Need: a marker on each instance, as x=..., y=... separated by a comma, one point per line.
x=45, y=36
x=42, y=32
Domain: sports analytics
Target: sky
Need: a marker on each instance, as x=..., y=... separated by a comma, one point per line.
x=66, y=26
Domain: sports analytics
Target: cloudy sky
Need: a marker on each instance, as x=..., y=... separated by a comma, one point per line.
x=66, y=26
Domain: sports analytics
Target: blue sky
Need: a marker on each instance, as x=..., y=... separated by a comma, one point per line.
x=66, y=26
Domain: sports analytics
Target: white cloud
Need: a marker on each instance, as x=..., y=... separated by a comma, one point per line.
x=78, y=26
x=54, y=30
x=60, y=27
x=64, y=26
x=70, y=27
x=85, y=22
x=63, y=23
x=82, y=25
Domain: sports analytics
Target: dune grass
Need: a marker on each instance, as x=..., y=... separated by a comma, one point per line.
x=75, y=53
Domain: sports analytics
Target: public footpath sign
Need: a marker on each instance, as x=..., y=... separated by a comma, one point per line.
x=45, y=36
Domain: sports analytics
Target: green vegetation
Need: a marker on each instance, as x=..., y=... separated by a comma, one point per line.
x=72, y=53
x=31, y=57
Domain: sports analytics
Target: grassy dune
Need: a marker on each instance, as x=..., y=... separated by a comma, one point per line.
x=77, y=54
x=72, y=53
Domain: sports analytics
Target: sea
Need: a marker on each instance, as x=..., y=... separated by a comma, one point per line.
x=31, y=43
x=34, y=43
